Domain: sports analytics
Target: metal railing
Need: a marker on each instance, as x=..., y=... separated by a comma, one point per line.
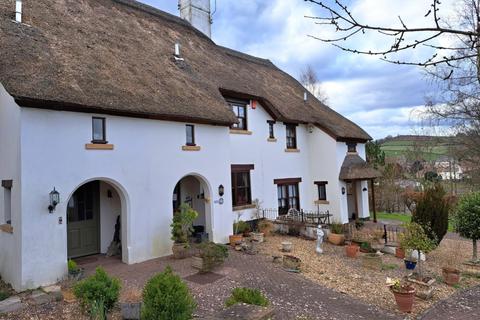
x=303, y=216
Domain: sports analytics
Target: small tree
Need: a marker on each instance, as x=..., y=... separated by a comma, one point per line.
x=182, y=225
x=415, y=238
x=431, y=212
x=467, y=220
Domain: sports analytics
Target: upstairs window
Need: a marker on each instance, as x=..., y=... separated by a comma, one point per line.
x=190, y=131
x=322, y=190
x=241, y=189
x=291, y=136
x=240, y=110
x=271, y=132
x=352, y=147
x=98, y=130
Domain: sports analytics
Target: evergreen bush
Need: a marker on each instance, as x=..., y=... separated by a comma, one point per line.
x=213, y=255
x=248, y=296
x=467, y=219
x=166, y=297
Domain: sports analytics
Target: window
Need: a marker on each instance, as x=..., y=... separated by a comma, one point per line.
x=288, y=195
x=7, y=201
x=98, y=130
x=241, y=190
x=271, y=132
x=352, y=147
x=190, y=130
x=322, y=190
x=291, y=136
x=240, y=110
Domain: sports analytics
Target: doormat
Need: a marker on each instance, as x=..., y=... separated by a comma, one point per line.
x=204, y=278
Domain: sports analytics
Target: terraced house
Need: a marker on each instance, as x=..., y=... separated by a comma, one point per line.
x=113, y=110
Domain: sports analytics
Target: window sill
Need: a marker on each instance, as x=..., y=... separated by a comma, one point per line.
x=322, y=202
x=272, y=139
x=236, y=131
x=191, y=148
x=247, y=206
x=98, y=146
x=292, y=150
x=7, y=228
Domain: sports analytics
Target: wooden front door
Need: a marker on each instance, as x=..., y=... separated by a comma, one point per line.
x=83, y=221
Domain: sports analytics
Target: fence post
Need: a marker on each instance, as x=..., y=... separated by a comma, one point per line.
x=301, y=212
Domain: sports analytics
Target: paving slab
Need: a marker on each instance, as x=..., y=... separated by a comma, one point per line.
x=11, y=304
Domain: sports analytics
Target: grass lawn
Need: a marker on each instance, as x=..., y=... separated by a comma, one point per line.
x=404, y=217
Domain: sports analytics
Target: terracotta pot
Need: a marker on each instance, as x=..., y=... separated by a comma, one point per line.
x=352, y=250
x=400, y=253
x=451, y=276
x=235, y=239
x=372, y=261
x=404, y=299
x=287, y=246
x=266, y=228
x=180, y=250
x=336, y=239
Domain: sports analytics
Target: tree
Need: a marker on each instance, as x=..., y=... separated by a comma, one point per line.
x=309, y=79
x=467, y=220
x=375, y=154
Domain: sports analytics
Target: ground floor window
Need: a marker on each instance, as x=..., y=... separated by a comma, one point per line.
x=7, y=201
x=241, y=188
x=322, y=190
x=288, y=195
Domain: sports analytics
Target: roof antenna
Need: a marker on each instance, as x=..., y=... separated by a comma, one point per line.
x=214, y=10
x=18, y=11
x=177, y=52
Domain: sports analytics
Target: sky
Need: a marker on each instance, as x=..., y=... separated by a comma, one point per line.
x=384, y=99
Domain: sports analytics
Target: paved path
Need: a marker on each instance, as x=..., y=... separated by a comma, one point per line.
x=465, y=305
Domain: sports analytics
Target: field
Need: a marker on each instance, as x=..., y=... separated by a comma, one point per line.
x=401, y=146
x=402, y=217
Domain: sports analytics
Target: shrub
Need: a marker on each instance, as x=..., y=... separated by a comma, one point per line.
x=182, y=225
x=167, y=297
x=97, y=288
x=336, y=227
x=431, y=212
x=72, y=266
x=467, y=219
x=415, y=238
x=241, y=227
x=4, y=295
x=213, y=255
x=248, y=296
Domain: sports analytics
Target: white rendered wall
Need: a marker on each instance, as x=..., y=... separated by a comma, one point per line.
x=144, y=167
x=110, y=208
x=10, y=244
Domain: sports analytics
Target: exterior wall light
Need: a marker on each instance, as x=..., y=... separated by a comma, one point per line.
x=364, y=189
x=343, y=190
x=54, y=200
x=221, y=190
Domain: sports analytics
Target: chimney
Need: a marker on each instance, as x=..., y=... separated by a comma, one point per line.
x=18, y=11
x=197, y=13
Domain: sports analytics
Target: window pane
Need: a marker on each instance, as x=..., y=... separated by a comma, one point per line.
x=322, y=192
x=98, y=124
x=190, y=138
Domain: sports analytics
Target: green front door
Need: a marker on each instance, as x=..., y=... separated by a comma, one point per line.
x=83, y=221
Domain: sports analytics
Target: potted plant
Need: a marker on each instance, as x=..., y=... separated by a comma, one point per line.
x=182, y=228
x=410, y=263
x=352, y=250
x=131, y=304
x=404, y=294
x=377, y=242
x=210, y=255
x=266, y=227
x=399, y=252
x=239, y=228
x=416, y=239
x=291, y=263
x=336, y=235
x=74, y=272
x=372, y=261
x=450, y=270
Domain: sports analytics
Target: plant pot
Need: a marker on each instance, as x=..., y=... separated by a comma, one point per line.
x=287, y=246
x=197, y=263
x=451, y=276
x=291, y=263
x=131, y=310
x=404, y=299
x=336, y=239
x=257, y=236
x=372, y=261
x=423, y=287
x=76, y=275
x=352, y=250
x=235, y=239
x=400, y=253
x=410, y=265
x=266, y=229
x=180, y=250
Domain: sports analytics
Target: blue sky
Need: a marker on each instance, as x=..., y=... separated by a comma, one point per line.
x=382, y=98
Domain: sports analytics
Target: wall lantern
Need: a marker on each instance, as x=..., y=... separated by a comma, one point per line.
x=364, y=189
x=54, y=200
x=221, y=190
x=343, y=190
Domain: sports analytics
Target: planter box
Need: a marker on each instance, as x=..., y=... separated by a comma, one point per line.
x=424, y=290
x=180, y=250
x=131, y=311
x=287, y=246
x=197, y=263
x=257, y=236
x=336, y=239
x=291, y=263
x=372, y=261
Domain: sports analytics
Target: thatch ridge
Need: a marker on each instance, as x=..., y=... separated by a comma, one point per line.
x=355, y=168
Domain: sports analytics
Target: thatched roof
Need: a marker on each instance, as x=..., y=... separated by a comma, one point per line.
x=116, y=57
x=355, y=168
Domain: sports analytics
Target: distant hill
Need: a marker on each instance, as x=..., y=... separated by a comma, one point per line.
x=432, y=147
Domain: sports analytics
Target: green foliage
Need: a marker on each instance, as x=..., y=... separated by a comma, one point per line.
x=467, y=219
x=415, y=238
x=336, y=228
x=389, y=266
x=72, y=266
x=213, y=255
x=3, y=295
x=432, y=176
x=182, y=225
x=248, y=296
x=166, y=297
x=375, y=155
x=97, y=310
x=241, y=227
x=97, y=288
x=431, y=212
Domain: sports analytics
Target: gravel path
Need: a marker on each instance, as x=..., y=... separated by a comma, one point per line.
x=464, y=305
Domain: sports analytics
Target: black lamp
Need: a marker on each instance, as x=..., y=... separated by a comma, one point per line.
x=54, y=200
x=221, y=190
x=343, y=190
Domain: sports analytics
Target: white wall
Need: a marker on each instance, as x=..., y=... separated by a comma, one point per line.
x=110, y=208
x=144, y=167
x=10, y=244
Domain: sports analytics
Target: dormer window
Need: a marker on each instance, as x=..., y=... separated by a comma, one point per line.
x=352, y=147
x=239, y=107
x=291, y=136
x=271, y=132
x=98, y=130
x=190, y=131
